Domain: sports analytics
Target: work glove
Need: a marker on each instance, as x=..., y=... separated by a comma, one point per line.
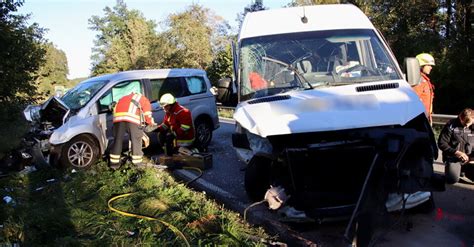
x=151, y=128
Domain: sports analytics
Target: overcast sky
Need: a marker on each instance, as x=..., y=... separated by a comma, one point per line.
x=67, y=21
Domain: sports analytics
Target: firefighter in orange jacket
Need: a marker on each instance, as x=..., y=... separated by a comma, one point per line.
x=177, y=129
x=425, y=89
x=131, y=113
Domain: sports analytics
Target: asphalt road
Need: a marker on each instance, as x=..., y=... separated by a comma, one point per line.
x=450, y=224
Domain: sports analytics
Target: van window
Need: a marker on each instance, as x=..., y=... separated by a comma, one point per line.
x=172, y=85
x=292, y=61
x=80, y=95
x=196, y=85
x=118, y=91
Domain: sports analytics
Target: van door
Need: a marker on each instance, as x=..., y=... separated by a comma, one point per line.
x=113, y=95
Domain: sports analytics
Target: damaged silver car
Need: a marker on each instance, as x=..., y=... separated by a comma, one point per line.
x=76, y=129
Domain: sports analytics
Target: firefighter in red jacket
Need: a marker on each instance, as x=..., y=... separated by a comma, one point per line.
x=425, y=89
x=177, y=129
x=131, y=113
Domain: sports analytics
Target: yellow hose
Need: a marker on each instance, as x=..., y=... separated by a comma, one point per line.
x=173, y=228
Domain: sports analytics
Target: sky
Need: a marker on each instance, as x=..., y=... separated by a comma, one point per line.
x=68, y=28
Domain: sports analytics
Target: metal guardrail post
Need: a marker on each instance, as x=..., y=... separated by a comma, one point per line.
x=441, y=119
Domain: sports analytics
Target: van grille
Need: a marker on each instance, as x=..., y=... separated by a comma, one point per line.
x=377, y=87
x=270, y=99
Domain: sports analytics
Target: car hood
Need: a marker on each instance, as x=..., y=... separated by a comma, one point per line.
x=53, y=111
x=327, y=109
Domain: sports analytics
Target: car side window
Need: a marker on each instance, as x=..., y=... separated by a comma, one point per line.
x=172, y=85
x=196, y=85
x=117, y=92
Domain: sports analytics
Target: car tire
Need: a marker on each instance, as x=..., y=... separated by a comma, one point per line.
x=203, y=133
x=257, y=178
x=80, y=152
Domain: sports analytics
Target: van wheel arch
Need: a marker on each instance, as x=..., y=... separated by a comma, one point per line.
x=81, y=151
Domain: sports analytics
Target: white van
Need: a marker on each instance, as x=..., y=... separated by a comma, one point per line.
x=325, y=111
x=76, y=129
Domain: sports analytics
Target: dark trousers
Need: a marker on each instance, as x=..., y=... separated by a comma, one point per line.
x=167, y=142
x=135, y=133
x=453, y=170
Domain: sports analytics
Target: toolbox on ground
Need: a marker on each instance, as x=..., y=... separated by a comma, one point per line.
x=199, y=160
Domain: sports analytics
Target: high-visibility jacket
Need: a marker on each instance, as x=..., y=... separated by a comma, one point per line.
x=180, y=122
x=133, y=108
x=425, y=91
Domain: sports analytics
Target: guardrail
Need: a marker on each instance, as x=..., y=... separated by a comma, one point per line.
x=438, y=119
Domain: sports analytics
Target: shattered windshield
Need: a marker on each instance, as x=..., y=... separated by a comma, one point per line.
x=279, y=63
x=78, y=96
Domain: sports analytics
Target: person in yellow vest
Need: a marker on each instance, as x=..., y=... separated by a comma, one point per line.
x=425, y=89
x=131, y=113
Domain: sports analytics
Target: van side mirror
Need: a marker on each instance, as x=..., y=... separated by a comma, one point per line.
x=225, y=93
x=412, y=71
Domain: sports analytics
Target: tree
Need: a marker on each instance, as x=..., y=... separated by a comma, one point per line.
x=20, y=55
x=53, y=72
x=189, y=38
x=255, y=6
x=124, y=40
x=221, y=66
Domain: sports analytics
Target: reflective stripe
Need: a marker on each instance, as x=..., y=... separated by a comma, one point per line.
x=185, y=127
x=184, y=142
x=115, y=156
x=127, y=119
x=137, y=161
x=137, y=156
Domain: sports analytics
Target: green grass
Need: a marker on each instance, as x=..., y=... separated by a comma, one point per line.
x=73, y=211
x=225, y=112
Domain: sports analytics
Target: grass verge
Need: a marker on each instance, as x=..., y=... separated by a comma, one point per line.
x=52, y=207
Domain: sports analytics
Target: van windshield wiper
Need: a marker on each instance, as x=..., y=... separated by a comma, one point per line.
x=288, y=66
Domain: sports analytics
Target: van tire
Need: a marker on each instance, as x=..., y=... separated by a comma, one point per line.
x=257, y=177
x=80, y=152
x=203, y=133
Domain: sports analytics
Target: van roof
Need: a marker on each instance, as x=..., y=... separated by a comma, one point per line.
x=150, y=73
x=289, y=20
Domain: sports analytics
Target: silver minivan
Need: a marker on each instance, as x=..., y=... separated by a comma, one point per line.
x=76, y=129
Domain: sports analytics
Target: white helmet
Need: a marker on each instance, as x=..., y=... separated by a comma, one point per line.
x=425, y=59
x=167, y=99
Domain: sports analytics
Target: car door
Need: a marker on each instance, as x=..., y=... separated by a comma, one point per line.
x=113, y=95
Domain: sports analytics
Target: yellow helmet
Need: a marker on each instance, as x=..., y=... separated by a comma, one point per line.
x=167, y=99
x=425, y=59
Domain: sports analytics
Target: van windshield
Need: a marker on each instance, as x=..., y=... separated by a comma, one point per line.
x=78, y=96
x=279, y=63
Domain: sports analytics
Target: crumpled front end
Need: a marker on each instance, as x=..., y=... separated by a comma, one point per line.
x=44, y=120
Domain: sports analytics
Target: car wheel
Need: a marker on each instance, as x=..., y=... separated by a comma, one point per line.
x=203, y=133
x=257, y=178
x=80, y=152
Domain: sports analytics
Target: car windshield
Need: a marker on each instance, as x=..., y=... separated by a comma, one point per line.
x=279, y=63
x=78, y=96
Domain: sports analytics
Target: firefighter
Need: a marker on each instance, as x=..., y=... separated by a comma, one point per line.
x=131, y=114
x=425, y=89
x=177, y=129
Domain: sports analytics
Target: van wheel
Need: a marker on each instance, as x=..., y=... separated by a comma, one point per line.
x=80, y=152
x=203, y=133
x=257, y=177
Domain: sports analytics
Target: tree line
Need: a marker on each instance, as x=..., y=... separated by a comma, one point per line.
x=31, y=66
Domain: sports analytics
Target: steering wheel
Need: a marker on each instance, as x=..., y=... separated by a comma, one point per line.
x=361, y=68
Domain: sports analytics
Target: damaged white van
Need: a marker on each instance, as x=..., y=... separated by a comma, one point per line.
x=326, y=113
